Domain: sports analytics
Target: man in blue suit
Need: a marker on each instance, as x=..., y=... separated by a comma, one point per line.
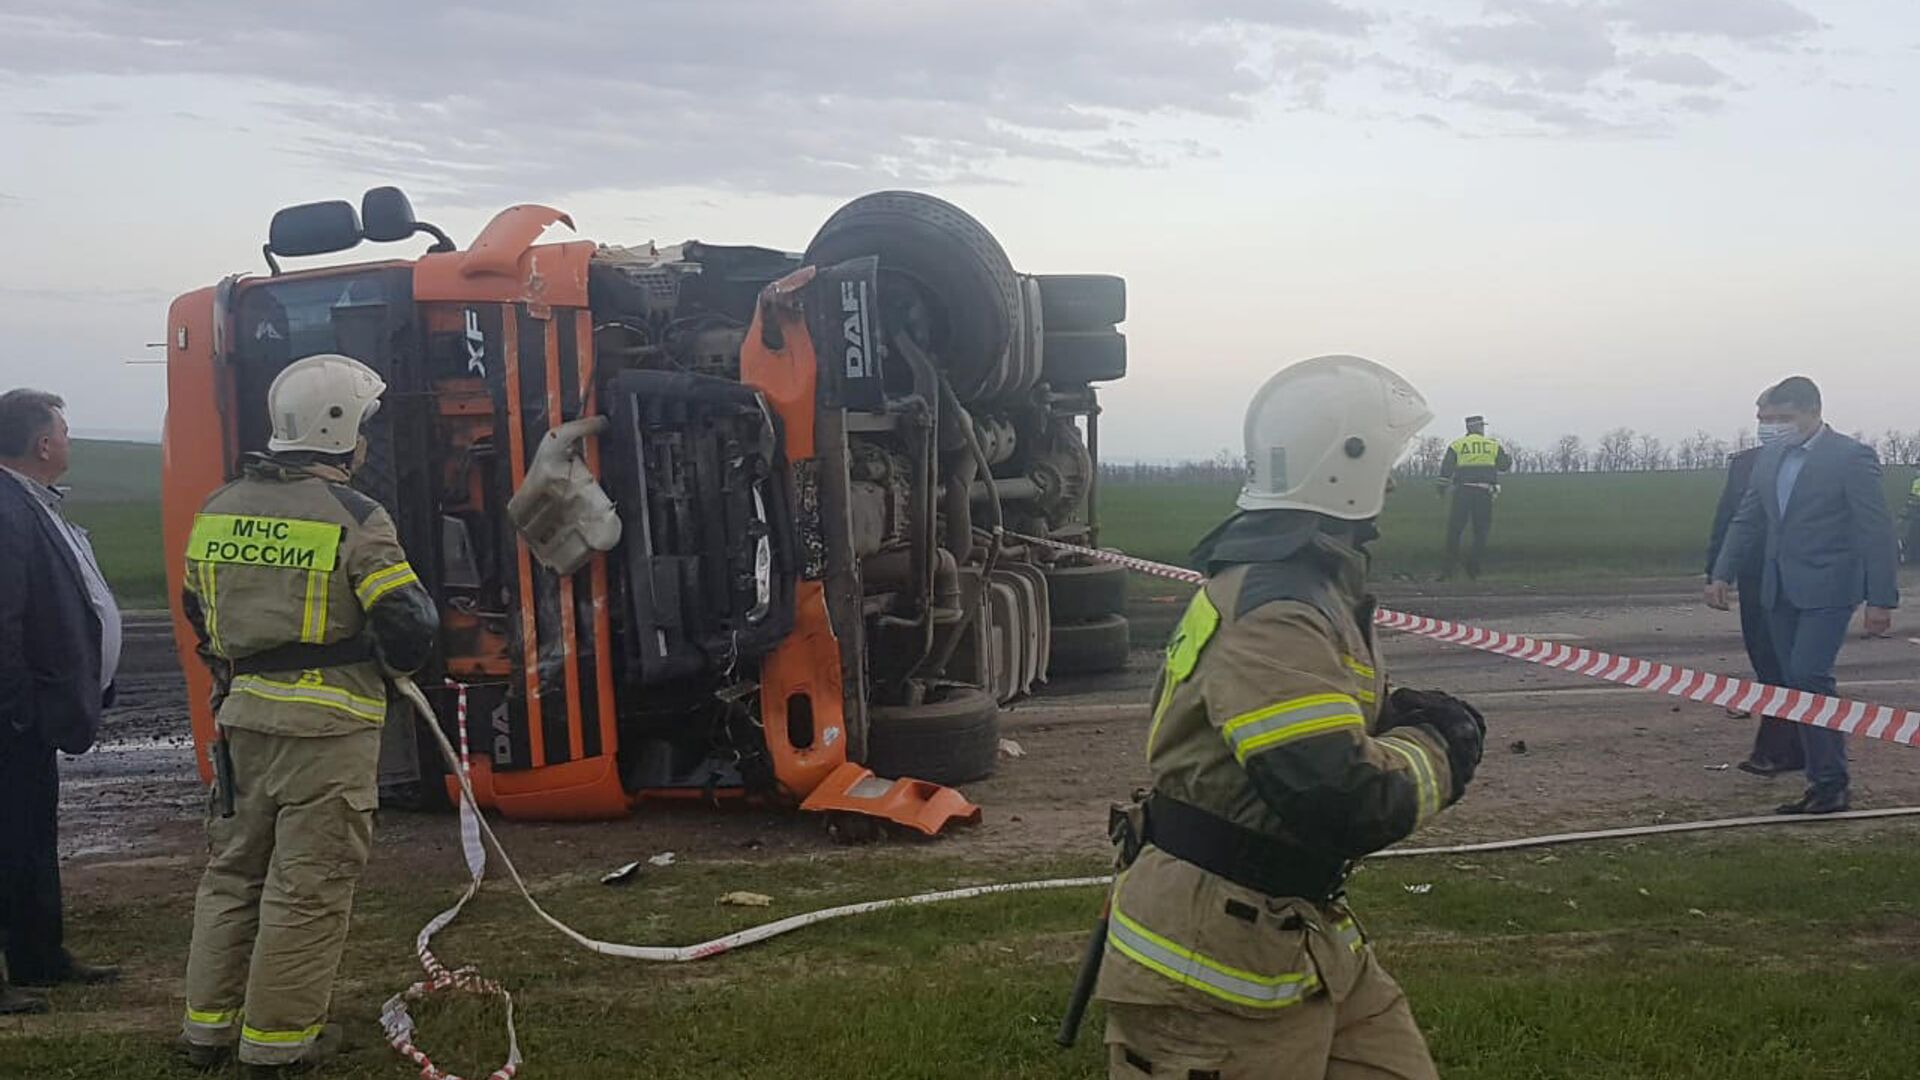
x=1816, y=512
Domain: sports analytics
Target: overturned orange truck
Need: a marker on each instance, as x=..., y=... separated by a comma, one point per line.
x=812, y=471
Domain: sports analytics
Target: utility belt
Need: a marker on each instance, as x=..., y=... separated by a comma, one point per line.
x=1252, y=860
x=300, y=656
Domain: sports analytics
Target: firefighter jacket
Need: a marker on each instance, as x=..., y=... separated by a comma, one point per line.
x=1267, y=722
x=298, y=589
x=1475, y=459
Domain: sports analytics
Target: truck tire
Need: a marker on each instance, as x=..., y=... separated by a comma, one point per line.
x=1091, y=647
x=1078, y=594
x=934, y=253
x=1082, y=301
x=1078, y=357
x=955, y=740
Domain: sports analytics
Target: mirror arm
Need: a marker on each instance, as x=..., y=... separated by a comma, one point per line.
x=267, y=250
x=442, y=241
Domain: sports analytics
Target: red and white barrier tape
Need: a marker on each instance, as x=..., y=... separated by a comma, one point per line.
x=395, y=1018
x=1853, y=717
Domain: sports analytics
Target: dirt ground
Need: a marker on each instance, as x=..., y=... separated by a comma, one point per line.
x=1564, y=753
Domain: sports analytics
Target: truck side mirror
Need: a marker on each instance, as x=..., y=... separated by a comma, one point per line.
x=319, y=228
x=388, y=216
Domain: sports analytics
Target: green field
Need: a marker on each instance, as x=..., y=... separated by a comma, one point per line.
x=116, y=496
x=1790, y=955
x=1545, y=526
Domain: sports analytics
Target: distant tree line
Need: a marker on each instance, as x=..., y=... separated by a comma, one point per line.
x=1620, y=450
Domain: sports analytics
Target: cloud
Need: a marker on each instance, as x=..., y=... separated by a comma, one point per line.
x=1740, y=20
x=795, y=94
x=63, y=118
x=1676, y=69
x=1564, y=43
x=497, y=99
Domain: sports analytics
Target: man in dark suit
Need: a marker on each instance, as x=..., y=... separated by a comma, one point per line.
x=1815, y=511
x=59, y=646
x=1776, y=745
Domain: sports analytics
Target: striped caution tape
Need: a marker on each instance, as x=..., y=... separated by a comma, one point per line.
x=395, y=1018
x=1820, y=710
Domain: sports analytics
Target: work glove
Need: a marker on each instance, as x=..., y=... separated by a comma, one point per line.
x=1458, y=724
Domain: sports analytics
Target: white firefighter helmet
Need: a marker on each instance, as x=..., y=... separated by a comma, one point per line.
x=1323, y=435
x=319, y=402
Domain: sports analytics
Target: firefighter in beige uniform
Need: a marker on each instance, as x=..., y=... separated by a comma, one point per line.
x=300, y=593
x=1278, y=758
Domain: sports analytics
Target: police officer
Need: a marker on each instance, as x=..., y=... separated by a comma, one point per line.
x=1472, y=470
x=1279, y=757
x=300, y=594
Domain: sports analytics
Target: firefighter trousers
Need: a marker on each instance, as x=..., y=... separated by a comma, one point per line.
x=270, y=918
x=1359, y=1027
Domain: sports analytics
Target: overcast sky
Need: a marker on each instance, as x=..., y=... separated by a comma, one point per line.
x=1567, y=215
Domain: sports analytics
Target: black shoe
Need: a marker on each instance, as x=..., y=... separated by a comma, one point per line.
x=1762, y=767
x=17, y=1002
x=1811, y=803
x=202, y=1056
x=76, y=973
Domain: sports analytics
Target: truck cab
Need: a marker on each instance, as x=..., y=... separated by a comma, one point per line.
x=817, y=473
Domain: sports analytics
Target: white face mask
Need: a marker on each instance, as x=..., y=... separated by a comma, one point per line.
x=1775, y=434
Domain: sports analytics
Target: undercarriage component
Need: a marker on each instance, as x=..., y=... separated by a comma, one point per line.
x=945, y=281
x=951, y=738
x=1090, y=647
x=1084, y=593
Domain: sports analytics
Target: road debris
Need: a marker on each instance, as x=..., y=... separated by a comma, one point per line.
x=746, y=899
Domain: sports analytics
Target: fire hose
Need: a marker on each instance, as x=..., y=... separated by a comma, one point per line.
x=1874, y=721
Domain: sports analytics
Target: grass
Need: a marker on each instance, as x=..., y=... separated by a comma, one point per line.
x=115, y=495
x=1545, y=527
x=1784, y=955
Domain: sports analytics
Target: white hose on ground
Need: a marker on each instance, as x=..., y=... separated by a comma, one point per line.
x=778, y=927
x=401, y=1028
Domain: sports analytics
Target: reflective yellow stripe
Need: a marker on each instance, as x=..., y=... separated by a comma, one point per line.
x=1426, y=784
x=220, y=1018
x=381, y=582
x=313, y=615
x=207, y=604
x=1298, y=718
x=1348, y=932
x=1205, y=974
x=280, y=543
x=311, y=693
x=1358, y=668
x=280, y=1038
x=1196, y=628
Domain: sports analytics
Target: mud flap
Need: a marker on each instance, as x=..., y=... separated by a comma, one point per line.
x=917, y=804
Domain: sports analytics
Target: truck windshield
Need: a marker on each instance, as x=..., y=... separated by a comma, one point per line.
x=358, y=312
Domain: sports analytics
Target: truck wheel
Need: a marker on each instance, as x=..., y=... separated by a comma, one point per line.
x=1091, y=647
x=1078, y=594
x=954, y=740
x=1082, y=301
x=941, y=274
x=1078, y=357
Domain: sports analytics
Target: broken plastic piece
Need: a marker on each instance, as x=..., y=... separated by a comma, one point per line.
x=920, y=805
x=621, y=876
x=665, y=858
x=747, y=899
x=561, y=508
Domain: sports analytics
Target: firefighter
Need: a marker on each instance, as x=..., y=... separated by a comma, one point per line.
x=303, y=601
x=1472, y=470
x=1278, y=758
